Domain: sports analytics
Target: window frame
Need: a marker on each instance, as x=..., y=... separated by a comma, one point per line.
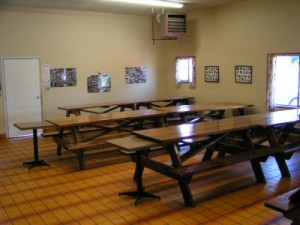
x=191, y=79
x=270, y=82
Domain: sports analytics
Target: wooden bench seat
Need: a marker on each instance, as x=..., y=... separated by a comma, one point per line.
x=80, y=147
x=187, y=171
x=283, y=204
x=261, y=153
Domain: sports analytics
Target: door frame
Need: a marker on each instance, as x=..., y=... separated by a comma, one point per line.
x=4, y=90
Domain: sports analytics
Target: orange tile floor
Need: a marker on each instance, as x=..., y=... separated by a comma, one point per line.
x=62, y=194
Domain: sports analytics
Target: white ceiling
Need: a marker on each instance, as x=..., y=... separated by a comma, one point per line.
x=112, y=6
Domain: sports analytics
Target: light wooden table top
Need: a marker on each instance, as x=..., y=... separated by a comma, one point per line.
x=204, y=107
x=91, y=119
x=122, y=103
x=33, y=125
x=227, y=125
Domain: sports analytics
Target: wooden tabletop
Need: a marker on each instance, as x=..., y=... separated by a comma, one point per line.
x=204, y=107
x=183, y=131
x=132, y=143
x=95, y=105
x=123, y=103
x=33, y=125
x=106, y=117
x=276, y=118
x=227, y=125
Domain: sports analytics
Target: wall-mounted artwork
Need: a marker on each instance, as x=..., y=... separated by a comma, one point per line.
x=243, y=74
x=98, y=83
x=211, y=74
x=135, y=75
x=63, y=77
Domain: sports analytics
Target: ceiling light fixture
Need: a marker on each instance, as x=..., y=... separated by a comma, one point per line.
x=153, y=3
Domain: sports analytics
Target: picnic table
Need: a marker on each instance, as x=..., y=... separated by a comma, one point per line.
x=217, y=131
x=108, y=125
x=122, y=105
x=206, y=110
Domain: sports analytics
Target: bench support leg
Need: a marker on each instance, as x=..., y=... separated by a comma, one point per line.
x=80, y=159
x=208, y=154
x=259, y=174
x=139, y=193
x=186, y=192
x=280, y=159
x=60, y=136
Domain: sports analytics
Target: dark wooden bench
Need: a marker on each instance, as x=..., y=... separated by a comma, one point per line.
x=80, y=148
x=185, y=173
x=283, y=204
x=236, y=145
x=261, y=153
x=132, y=145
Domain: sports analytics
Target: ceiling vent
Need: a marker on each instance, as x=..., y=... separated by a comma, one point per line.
x=173, y=25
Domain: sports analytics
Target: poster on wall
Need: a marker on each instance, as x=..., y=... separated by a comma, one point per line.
x=135, y=75
x=99, y=83
x=46, y=76
x=243, y=74
x=63, y=77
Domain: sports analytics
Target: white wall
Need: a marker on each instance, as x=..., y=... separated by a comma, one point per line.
x=237, y=34
x=87, y=41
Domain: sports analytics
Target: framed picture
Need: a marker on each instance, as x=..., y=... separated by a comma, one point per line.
x=243, y=74
x=211, y=74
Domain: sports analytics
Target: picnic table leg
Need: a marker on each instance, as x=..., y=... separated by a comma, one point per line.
x=141, y=167
x=280, y=158
x=60, y=136
x=258, y=172
x=241, y=111
x=186, y=192
x=37, y=161
x=255, y=163
x=139, y=193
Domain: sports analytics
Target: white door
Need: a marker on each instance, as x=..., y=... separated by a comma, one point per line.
x=22, y=92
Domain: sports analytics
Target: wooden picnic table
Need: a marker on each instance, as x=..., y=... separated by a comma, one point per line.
x=207, y=110
x=107, y=124
x=217, y=130
x=112, y=121
x=119, y=120
x=131, y=104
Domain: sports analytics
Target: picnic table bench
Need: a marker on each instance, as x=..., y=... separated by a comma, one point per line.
x=79, y=148
x=283, y=204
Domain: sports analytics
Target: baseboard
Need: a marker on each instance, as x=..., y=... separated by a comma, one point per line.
x=3, y=136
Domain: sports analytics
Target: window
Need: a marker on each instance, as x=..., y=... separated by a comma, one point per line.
x=186, y=71
x=283, y=80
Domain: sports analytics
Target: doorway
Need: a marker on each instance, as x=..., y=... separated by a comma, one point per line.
x=22, y=93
